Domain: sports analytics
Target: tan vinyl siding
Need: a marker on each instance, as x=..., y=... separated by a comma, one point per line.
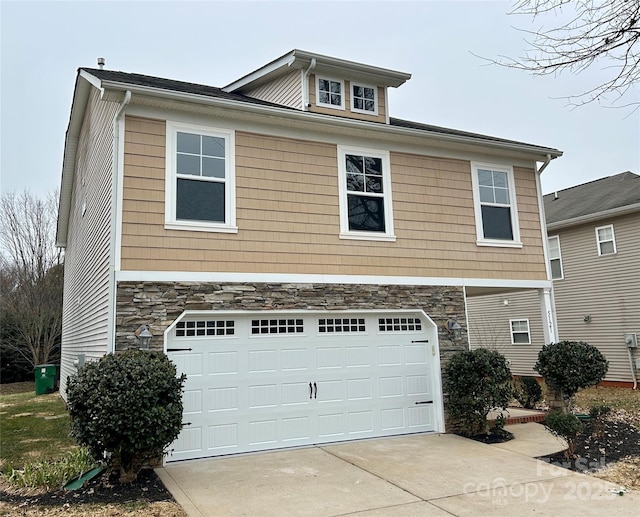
x=604, y=287
x=285, y=90
x=382, y=108
x=86, y=289
x=288, y=216
x=489, y=327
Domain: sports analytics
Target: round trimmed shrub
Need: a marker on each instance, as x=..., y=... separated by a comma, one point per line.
x=567, y=426
x=568, y=366
x=127, y=406
x=527, y=391
x=476, y=382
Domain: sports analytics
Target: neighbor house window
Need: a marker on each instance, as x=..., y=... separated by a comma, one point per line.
x=330, y=93
x=520, y=332
x=606, y=240
x=364, y=99
x=200, y=178
x=555, y=259
x=365, y=194
x=495, y=205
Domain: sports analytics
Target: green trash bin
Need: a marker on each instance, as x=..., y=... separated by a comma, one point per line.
x=45, y=375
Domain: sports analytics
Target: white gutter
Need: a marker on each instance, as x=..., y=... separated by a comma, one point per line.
x=613, y=212
x=305, y=85
x=118, y=127
x=284, y=113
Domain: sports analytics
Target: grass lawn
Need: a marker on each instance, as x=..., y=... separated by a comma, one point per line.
x=34, y=428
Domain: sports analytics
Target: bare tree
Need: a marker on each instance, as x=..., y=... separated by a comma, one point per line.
x=32, y=277
x=585, y=32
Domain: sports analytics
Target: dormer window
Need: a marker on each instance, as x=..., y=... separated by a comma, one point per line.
x=364, y=99
x=330, y=93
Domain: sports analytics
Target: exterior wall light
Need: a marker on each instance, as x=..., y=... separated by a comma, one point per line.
x=144, y=335
x=453, y=327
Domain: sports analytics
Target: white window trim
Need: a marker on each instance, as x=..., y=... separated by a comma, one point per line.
x=375, y=99
x=345, y=233
x=515, y=225
x=342, y=95
x=599, y=242
x=513, y=342
x=171, y=223
x=559, y=257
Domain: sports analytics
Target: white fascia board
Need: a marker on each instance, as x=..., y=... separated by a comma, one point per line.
x=78, y=108
x=185, y=276
x=583, y=219
x=325, y=64
x=282, y=114
x=263, y=74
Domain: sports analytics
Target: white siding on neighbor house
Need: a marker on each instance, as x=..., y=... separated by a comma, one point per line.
x=86, y=281
x=606, y=288
x=489, y=327
x=286, y=90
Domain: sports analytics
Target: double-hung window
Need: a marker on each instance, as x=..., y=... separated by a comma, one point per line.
x=364, y=99
x=606, y=240
x=555, y=258
x=495, y=205
x=520, y=332
x=200, y=178
x=365, y=194
x=330, y=93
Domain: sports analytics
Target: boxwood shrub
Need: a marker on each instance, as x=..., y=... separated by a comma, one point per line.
x=126, y=407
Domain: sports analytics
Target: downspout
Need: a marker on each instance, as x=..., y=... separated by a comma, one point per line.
x=115, y=206
x=633, y=370
x=545, y=248
x=305, y=85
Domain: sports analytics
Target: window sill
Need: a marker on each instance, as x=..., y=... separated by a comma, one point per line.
x=363, y=236
x=499, y=244
x=195, y=226
x=365, y=112
x=331, y=106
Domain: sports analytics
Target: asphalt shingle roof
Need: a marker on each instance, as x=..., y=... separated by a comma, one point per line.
x=212, y=91
x=590, y=198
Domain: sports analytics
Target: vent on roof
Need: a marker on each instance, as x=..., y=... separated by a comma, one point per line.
x=101, y=63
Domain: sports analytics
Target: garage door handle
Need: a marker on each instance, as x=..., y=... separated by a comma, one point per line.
x=425, y=402
x=316, y=387
x=179, y=349
x=310, y=391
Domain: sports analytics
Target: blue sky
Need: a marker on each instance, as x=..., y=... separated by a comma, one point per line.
x=211, y=42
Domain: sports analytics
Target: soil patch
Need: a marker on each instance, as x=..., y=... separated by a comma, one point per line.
x=102, y=489
x=597, y=450
x=500, y=436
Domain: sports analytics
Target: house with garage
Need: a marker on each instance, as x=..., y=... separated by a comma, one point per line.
x=594, y=244
x=305, y=258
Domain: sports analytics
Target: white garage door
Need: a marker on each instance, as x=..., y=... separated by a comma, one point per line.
x=259, y=381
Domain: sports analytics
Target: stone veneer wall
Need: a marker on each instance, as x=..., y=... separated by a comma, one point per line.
x=160, y=303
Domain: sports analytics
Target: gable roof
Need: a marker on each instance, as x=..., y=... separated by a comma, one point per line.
x=302, y=60
x=597, y=199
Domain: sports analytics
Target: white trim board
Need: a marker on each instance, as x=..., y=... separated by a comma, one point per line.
x=185, y=276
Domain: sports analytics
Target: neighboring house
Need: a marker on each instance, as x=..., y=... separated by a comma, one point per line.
x=594, y=257
x=296, y=251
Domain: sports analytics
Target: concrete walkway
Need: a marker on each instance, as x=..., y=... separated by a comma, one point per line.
x=417, y=475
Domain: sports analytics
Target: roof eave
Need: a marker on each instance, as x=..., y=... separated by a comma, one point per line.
x=301, y=59
x=596, y=216
x=537, y=153
x=78, y=107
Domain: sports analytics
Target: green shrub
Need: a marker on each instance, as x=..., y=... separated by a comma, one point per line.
x=566, y=425
x=527, y=392
x=568, y=366
x=476, y=382
x=127, y=406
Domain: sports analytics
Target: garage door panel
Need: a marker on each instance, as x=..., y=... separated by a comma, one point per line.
x=391, y=387
x=329, y=357
x=250, y=390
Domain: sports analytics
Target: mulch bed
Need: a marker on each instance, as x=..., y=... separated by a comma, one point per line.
x=594, y=451
x=102, y=489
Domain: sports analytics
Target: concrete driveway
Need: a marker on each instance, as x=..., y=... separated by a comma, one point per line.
x=435, y=475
